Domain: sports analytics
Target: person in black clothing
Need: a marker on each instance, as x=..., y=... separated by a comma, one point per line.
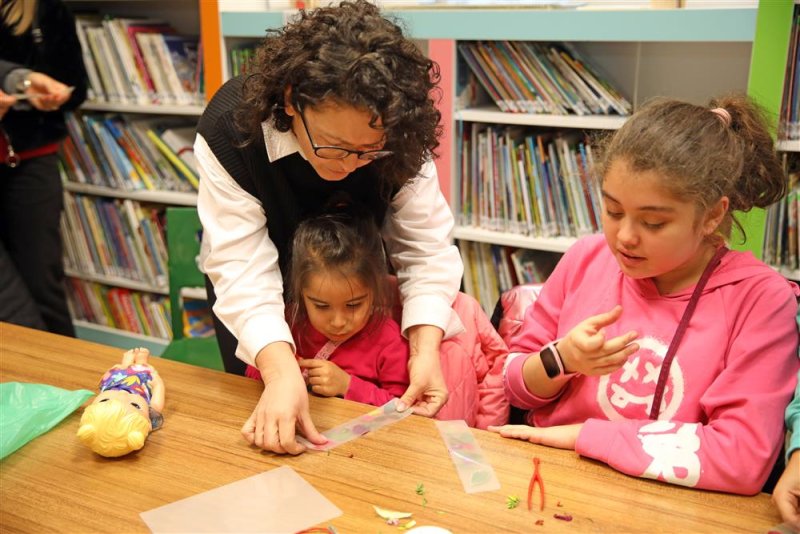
x=40, y=57
x=338, y=101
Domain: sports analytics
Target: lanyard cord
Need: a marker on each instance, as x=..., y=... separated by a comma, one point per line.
x=663, y=374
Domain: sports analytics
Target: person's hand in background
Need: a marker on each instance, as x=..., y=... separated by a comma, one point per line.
x=6, y=101
x=46, y=93
x=786, y=494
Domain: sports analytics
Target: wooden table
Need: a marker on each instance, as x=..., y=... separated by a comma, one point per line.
x=55, y=484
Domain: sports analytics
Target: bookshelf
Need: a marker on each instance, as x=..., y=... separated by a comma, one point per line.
x=770, y=77
x=690, y=54
x=107, y=200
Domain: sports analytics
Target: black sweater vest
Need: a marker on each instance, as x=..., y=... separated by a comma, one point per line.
x=289, y=189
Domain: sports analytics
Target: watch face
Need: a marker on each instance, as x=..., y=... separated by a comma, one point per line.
x=548, y=357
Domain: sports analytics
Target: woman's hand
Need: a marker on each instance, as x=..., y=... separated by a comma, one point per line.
x=47, y=94
x=427, y=392
x=561, y=437
x=325, y=377
x=6, y=101
x=586, y=350
x=283, y=406
x=786, y=495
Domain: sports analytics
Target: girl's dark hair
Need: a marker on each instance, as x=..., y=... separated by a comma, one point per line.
x=351, y=55
x=344, y=239
x=701, y=156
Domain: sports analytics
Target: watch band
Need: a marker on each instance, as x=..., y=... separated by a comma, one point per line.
x=551, y=360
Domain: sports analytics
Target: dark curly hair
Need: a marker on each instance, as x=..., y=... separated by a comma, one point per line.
x=352, y=55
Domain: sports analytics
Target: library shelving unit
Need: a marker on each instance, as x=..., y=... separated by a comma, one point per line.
x=770, y=76
x=691, y=54
x=185, y=17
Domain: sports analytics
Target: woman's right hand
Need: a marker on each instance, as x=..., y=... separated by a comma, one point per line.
x=47, y=94
x=6, y=101
x=586, y=350
x=283, y=406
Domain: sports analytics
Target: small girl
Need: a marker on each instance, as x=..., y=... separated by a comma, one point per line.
x=347, y=343
x=127, y=409
x=657, y=350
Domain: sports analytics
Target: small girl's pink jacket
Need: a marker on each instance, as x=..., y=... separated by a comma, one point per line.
x=472, y=364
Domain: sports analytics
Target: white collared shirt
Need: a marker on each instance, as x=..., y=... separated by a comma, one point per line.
x=242, y=262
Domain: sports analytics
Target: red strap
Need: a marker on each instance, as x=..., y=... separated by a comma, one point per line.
x=6, y=155
x=663, y=374
x=45, y=150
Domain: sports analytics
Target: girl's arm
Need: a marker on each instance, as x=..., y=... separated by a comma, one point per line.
x=734, y=445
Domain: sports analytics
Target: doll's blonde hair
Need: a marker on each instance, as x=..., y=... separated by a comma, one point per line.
x=109, y=430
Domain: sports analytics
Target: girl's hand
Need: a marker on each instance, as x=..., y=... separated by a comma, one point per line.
x=326, y=378
x=586, y=350
x=786, y=495
x=561, y=437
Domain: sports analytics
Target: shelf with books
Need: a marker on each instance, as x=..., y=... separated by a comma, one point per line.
x=481, y=235
x=150, y=109
x=791, y=274
x=788, y=145
x=176, y=198
x=128, y=156
x=691, y=54
x=774, y=79
x=117, y=281
x=490, y=114
x=118, y=338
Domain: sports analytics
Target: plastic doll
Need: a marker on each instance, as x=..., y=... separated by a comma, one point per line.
x=127, y=409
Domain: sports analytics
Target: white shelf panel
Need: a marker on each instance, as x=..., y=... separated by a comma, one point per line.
x=158, y=197
x=197, y=293
x=788, y=146
x=116, y=337
x=791, y=274
x=152, y=109
x=490, y=114
x=117, y=281
x=552, y=244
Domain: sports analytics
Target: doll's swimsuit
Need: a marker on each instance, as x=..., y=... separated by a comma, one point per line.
x=135, y=379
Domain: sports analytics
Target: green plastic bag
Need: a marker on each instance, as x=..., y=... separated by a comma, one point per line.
x=29, y=410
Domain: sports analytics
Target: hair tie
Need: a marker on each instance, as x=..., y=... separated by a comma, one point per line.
x=723, y=115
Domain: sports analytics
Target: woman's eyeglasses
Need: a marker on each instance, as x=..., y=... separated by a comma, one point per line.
x=337, y=152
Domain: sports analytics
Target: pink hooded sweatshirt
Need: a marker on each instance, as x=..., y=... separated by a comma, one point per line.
x=721, y=421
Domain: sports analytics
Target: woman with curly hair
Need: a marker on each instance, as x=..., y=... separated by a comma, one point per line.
x=338, y=101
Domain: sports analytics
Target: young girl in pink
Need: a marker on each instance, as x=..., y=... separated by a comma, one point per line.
x=655, y=348
x=347, y=343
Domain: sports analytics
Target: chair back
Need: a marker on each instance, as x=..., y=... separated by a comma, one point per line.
x=184, y=233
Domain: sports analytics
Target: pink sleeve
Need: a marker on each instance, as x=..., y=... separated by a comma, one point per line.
x=541, y=320
x=516, y=390
x=392, y=365
x=539, y=327
x=735, y=446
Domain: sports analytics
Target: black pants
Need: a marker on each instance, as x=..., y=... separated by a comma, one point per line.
x=225, y=339
x=31, y=270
